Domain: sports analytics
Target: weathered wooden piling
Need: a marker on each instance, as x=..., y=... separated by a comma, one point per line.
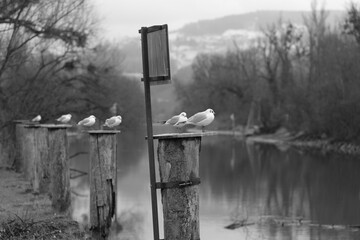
x=20, y=132
x=103, y=145
x=178, y=156
x=35, y=156
x=59, y=170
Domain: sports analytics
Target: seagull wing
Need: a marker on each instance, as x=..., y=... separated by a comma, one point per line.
x=173, y=120
x=110, y=121
x=196, y=118
x=61, y=118
x=84, y=121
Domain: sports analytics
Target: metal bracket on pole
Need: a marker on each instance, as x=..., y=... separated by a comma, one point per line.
x=178, y=184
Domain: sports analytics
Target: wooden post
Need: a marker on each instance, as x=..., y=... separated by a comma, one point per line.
x=19, y=164
x=102, y=181
x=36, y=148
x=59, y=166
x=178, y=156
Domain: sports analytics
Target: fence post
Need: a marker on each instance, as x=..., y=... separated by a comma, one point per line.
x=36, y=148
x=59, y=166
x=178, y=156
x=19, y=163
x=103, y=180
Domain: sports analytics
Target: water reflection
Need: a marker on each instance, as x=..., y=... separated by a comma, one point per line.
x=278, y=193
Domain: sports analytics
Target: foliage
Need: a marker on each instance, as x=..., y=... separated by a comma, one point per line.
x=305, y=78
x=54, y=228
x=50, y=66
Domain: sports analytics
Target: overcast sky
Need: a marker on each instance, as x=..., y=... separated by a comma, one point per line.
x=122, y=18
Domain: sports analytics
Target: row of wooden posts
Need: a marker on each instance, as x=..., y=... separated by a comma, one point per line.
x=43, y=158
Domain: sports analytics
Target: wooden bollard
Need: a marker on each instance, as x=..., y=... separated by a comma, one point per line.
x=59, y=170
x=36, y=154
x=178, y=156
x=103, y=145
x=19, y=163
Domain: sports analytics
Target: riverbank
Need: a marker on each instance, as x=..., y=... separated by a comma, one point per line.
x=284, y=139
x=24, y=215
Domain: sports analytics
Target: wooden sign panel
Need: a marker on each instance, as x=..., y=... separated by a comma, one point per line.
x=157, y=54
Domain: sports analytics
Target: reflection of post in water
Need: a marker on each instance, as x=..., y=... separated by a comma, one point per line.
x=178, y=156
x=253, y=156
x=102, y=181
x=254, y=119
x=233, y=156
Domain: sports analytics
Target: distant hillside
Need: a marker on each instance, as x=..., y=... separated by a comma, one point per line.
x=215, y=35
x=206, y=36
x=250, y=21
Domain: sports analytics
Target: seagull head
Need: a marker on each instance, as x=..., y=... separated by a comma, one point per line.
x=211, y=111
x=92, y=116
x=119, y=117
x=183, y=114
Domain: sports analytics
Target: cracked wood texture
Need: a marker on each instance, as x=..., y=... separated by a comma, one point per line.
x=40, y=169
x=19, y=137
x=35, y=157
x=102, y=182
x=179, y=161
x=59, y=170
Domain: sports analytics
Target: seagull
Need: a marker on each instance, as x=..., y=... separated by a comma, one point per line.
x=177, y=120
x=88, y=122
x=64, y=118
x=36, y=119
x=113, y=121
x=201, y=119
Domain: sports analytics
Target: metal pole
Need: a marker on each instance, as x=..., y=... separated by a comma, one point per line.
x=150, y=140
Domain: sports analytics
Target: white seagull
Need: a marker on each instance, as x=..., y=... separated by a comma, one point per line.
x=36, y=119
x=201, y=119
x=64, y=118
x=88, y=122
x=177, y=120
x=113, y=121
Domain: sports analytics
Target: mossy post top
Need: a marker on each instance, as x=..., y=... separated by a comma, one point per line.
x=103, y=131
x=183, y=135
x=55, y=126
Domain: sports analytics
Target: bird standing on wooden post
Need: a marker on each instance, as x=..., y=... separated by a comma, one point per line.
x=113, y=121
x=87, y=122
x=201, y=119
x=176, y=120
x=64, y=118
x=36, y=119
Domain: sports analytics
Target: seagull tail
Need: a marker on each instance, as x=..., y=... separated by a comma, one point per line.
x=162, y=122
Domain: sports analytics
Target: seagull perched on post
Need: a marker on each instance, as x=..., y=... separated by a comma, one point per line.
x=36, y=119
x=64, y=118
x=88, y=122
x=201, y=119
x=177, y=120
x=113, y=121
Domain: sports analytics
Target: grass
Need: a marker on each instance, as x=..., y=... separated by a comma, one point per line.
x=57, y=227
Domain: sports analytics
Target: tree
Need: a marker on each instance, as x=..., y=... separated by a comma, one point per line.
x=37, y=37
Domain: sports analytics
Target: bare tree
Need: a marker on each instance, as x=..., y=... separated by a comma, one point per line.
x=37, y=38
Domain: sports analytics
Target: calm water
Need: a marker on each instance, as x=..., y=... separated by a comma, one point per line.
x=279, y=193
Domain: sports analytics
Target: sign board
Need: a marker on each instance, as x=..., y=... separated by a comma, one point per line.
x=155, y=45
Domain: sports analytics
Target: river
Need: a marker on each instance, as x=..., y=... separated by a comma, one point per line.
x=271, y=192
